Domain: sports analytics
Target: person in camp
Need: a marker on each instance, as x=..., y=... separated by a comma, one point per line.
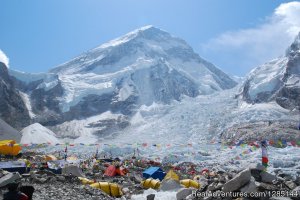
x=85, y=166
x=14, y=193
x=27, y=163
x=264, y=152
x=96, y=168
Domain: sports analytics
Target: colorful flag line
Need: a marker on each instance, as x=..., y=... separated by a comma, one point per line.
x=274, y=143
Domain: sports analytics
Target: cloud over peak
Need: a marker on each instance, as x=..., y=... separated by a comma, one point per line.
x=259, y=44
x=3, y=58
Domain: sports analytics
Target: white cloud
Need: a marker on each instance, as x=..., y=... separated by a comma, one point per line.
x=4, y=58
x=264, y=42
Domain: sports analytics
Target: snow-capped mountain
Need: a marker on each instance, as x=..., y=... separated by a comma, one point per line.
x=277, y=80
x=147, y=65
x=144, y=67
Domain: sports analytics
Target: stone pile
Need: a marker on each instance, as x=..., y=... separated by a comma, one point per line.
x=249, y=181
x=217, y=181
x=48, y=185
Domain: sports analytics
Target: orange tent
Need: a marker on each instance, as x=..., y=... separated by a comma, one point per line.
x=50, y=158
x=114, y=171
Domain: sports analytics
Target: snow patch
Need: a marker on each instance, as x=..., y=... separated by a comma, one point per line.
x=81, y=129
x=26, y=100
x=37, y=134
x=266, y=77
x=29, y=77
x=125, y=38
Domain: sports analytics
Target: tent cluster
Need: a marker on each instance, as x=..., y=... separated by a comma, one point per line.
x=153, y=174
x=156, y=178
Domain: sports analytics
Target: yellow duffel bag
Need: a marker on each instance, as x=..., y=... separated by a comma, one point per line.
x=111, y=189
x=151, y=183
x=190, y=183
x=86, y=181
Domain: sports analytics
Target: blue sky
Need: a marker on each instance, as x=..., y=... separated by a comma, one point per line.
x=235, y=35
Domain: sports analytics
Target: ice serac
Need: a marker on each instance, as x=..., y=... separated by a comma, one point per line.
x=277, y=80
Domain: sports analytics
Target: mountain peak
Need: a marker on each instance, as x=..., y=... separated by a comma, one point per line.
x=149, y=32
x=146, y=28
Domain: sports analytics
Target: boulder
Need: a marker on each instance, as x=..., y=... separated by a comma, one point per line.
x=297, y=181
x=257, y=166
x=267, y=177
x=170, y=184
x=125, y=190
x=190, y=197
x=285, y=176
x=9, y=178
x=42, y=180
x=136, y=178
x=291, y=185
x=255, y=173
x=238, y=181
x=297, y=189
x=61, y=178
x=267, y=187
x=222, y=179
x=250, y=187
x=219, y=186
x=212, y=187
x=151, y=197
x=183, y=193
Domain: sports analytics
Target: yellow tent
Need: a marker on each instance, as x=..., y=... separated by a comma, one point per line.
x=7, y=141
x=86, y=181
x=150, y=183
x=172, y=175
x=72, y=158
x=111, y=189
x=50, y=157
x=190, y=183
x=9, y=147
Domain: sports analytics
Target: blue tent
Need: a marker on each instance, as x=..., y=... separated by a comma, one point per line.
x=154, y=172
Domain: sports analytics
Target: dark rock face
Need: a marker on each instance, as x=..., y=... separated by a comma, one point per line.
x=89, y=106
x=12, y=107
x=110, y=126
x=8, y=132
x=289, y=98
x=46, y=105
x=289, y=95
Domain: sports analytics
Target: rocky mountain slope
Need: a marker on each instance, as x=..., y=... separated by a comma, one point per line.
x=277, y=80
x=12, y=107
x=9, y=133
